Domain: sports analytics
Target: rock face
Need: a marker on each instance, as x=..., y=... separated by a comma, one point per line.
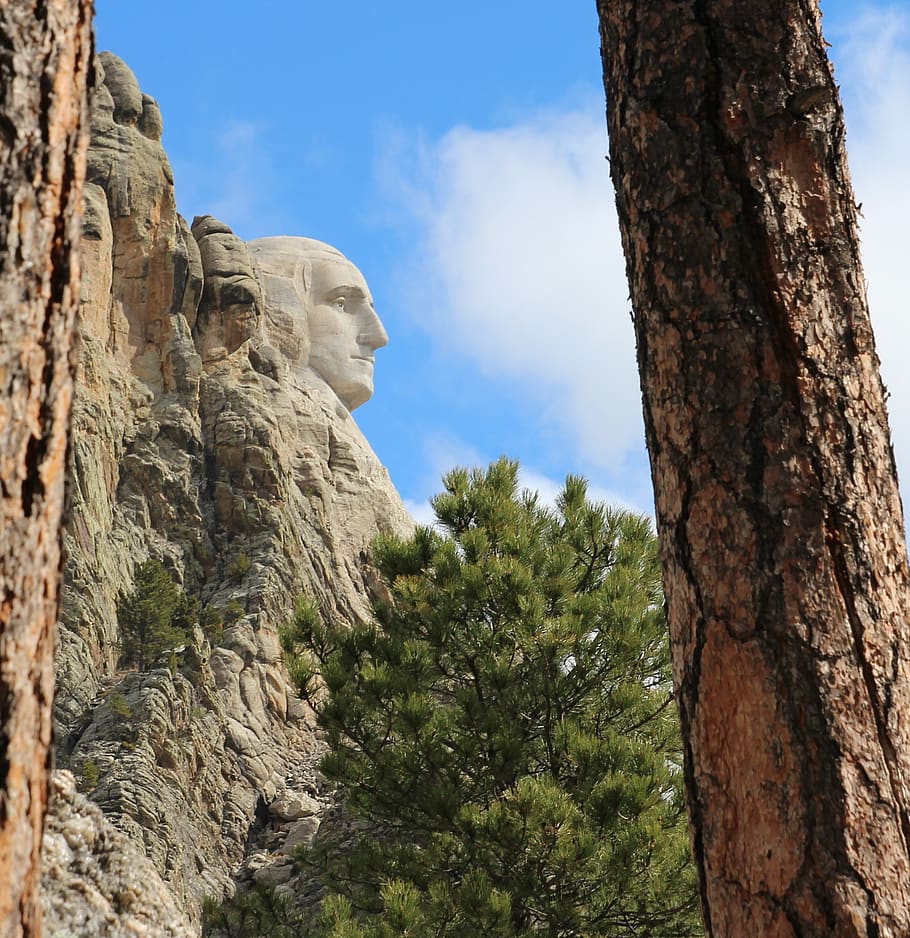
x=203, y=439
x=95, y=880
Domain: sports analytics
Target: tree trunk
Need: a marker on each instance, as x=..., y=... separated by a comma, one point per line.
x=777, y=504
x=45, y=61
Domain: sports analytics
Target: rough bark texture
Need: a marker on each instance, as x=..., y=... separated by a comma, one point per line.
x=45, y=60
x=776, y=495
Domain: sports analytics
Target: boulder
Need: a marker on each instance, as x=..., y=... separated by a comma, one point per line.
x=293, y=805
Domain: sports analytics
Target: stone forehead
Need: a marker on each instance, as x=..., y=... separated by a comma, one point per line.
x=284, y=254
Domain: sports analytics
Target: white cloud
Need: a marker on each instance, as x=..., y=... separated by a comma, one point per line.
x=873, y=68
x=520, y=268
x=546, y=488
x=240, y=186
x=421, y=512
x=443, y=452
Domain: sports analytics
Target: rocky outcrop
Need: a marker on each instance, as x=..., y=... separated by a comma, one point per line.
x=195, y=443
x=95, y=881
x=136, y=441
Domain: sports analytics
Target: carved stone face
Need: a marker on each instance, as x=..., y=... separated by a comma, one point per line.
x=343, y=328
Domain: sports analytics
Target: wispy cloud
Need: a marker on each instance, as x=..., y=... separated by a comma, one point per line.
x=520, y=263
x=520, y=268
x=549, y=489
x=873, y=68
x=443, y=452
x=438, y=453
x=237, y=184
x=421, y=512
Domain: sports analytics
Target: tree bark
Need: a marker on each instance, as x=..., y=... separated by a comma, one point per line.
x=45, y=63
x=777, y=504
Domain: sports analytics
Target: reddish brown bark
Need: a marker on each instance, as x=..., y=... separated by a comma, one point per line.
x=777, y=505
x=45, y=60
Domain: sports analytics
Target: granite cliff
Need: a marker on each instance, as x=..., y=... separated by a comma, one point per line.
x=204, y=438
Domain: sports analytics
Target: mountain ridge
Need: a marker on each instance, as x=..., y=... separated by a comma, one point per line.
x=195, y=443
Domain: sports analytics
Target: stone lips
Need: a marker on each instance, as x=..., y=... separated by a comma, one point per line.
x=198, y=437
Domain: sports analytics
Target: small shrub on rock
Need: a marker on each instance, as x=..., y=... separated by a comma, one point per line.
x=240, y=568
x=118, y=704
x=211, y=622
x=89, y=775
x=232, y=612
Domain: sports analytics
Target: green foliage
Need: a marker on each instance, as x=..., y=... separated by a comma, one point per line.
x=89, y=776
x=259, y=911
x=186, y=615
x=212, y=624
x=155, y=617
x=506, y=727
x=158, y=617
x=232, y=612
x=295, y=638
x=118, y=704
x=240, y=567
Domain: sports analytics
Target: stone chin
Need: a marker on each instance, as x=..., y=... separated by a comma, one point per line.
x=353, y=394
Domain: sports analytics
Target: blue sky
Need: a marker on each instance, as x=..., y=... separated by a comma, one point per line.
x=455, y=153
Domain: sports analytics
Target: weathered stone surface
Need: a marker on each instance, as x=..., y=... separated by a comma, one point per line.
x=301, y=834
x=232, y=302
x=124, y=90
x=203, y=438
x=315, y=295
x=295, y=485
x=275, y=873
x=94, y=879
x=292, y=806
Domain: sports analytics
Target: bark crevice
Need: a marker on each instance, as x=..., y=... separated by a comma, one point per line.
x=842, y=575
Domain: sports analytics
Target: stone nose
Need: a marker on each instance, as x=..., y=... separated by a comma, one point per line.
x=373, y=333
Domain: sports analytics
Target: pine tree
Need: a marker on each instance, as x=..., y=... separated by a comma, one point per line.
x=506, y=727
x=155, y=617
